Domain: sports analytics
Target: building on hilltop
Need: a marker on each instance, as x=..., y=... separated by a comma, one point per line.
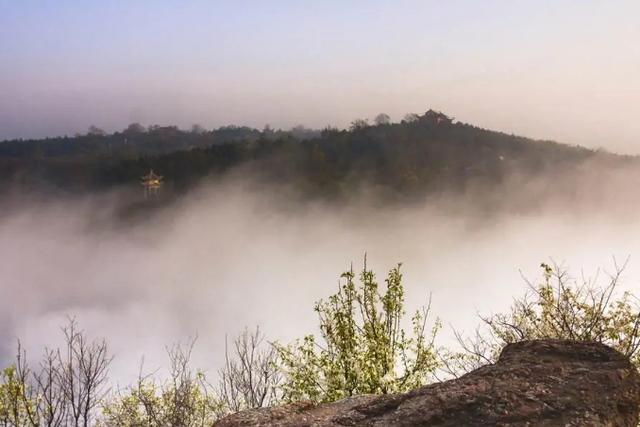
x=436, y=117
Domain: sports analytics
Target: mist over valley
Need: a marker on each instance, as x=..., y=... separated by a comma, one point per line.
x=259, y=240
x=249, y=213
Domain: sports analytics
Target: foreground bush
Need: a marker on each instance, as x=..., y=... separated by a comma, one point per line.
x=249, y=379
x=362, y=347
x=66, y=389
x=185, y=399
x=559, y=306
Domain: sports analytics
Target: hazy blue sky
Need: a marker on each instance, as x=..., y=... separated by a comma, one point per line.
x=567, y=70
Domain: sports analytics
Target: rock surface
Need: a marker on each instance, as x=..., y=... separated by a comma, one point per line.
x=534, y=383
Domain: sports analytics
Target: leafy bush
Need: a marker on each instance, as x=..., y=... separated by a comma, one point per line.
x=248, y=380
x=362, y=347
x=561, y=307
x=185, y=399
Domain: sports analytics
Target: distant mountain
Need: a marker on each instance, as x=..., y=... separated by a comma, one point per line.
x=420, y=156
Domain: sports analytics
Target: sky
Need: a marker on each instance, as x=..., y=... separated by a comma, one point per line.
x=563, y=70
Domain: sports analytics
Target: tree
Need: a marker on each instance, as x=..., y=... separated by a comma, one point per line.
x=382, y=119
x=250, y=376
x=358, y=124
x=186, y=399
x=41, y=394
x=362, y=347
x=329, y=131
x=561, y=307
x=411, y=117
x=95, y=131
x=13, y=408
x=134, y=129
x=82, y=375
x=301, y=132
x=67, y=389
x=197, y=129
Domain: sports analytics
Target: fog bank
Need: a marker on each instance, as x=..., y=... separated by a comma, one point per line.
x=230, y=255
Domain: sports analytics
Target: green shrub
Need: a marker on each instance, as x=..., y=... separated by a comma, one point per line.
x=362, y=347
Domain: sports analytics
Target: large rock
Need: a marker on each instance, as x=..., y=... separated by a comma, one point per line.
x=534, y=383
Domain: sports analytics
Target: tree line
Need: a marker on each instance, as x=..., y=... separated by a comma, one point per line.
x=419, y=156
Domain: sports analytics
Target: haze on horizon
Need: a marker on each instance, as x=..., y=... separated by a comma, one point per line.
x=568, y=71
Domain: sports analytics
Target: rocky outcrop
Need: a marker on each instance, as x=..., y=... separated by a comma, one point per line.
x=534, y=383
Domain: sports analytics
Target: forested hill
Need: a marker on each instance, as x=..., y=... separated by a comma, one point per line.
x=418, y=156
